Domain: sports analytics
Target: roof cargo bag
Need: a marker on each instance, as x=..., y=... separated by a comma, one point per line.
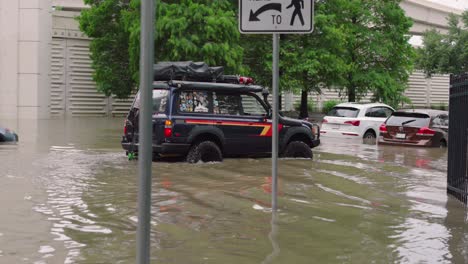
x=187, y=71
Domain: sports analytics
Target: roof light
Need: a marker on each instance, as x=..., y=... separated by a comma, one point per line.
x=245, y=80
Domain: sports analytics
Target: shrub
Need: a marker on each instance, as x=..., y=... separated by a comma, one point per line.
x=328, y=105
x=440, y=106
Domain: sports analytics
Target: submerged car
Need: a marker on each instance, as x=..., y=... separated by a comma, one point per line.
x=207, y=116
x=353, y=120
x=6, y=135
x=416, y=127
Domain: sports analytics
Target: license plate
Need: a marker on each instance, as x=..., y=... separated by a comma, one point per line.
x=400, y=135
x=335, y=126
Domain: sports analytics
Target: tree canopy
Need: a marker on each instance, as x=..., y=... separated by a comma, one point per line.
x=377, y=54
x=357, y=47
x=445, y=53
x=185, y=30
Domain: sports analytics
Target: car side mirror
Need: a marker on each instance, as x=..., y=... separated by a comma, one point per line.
x=269, y=113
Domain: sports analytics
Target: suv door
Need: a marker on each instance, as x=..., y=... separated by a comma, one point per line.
x=242, y=122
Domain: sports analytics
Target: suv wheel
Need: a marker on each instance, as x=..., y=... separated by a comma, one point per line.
x=369, y=135
x=298, y=149
x=443, y=144
x=205, y=151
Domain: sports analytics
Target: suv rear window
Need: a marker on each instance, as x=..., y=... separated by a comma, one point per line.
x=343, y=112
x=160, y=97
x=408, y=119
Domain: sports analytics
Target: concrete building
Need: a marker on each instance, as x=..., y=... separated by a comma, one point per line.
x=24, y=58
x=45, y=67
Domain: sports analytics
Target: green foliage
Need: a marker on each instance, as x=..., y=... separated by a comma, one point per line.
x=202, y=30
x=357, y=47
x=109, y=46
x=440, y=106
x=328, y=105
x=445, y=53
x=377, y=54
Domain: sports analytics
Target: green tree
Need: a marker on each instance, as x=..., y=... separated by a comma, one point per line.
x=307, y=62
x=312, y=62
x=445, y=53
x=357, y=47
x=185, y=30
x=377, y=53
x=109, y=46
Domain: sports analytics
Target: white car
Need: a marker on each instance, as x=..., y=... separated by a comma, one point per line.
x=353, y=120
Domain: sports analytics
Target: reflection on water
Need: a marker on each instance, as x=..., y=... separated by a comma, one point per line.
x=354, y=203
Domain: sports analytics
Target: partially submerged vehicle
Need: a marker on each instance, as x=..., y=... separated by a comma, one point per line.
x=416, y=127
x=353, y=120
x=203, y=115
x=7, y=135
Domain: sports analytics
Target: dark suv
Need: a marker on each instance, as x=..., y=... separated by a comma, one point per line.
x=207, y=120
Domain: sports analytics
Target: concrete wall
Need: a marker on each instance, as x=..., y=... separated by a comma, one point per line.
x=25, y=37
x=427, y=15
x=423, y=93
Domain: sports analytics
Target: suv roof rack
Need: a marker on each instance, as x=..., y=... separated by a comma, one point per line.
x=209, y=86
x=196, y=72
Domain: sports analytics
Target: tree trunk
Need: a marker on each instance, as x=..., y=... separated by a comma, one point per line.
x=351, y=87
x=352, y=94
x=304, y=113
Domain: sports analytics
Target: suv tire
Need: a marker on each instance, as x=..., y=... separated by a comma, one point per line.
x=369, y=135
x=205, y=151
x=298, y=149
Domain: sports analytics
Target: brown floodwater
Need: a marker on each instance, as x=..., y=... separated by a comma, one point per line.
x=69, y=195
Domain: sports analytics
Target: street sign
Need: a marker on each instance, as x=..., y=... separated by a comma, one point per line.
x=276, y=16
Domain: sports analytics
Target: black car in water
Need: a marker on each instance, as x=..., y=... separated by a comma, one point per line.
x=209, y=120
x=7, y=135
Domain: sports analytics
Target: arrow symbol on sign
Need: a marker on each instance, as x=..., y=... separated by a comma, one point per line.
x=272, y=6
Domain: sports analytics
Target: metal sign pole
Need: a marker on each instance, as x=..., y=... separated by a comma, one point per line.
x=145, y=150
x=274, y=149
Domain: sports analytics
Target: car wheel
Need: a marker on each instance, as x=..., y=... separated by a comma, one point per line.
x=443, y=144
x=205, y=151
x=298, y=149
x=369, y=135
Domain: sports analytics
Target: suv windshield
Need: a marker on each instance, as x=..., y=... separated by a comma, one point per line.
x=409, y=119
x=343, y=112
x=159, y=100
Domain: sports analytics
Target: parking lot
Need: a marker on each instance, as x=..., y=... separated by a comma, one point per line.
x=69, y=195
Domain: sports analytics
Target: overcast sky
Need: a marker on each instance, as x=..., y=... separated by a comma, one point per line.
x=460, y=4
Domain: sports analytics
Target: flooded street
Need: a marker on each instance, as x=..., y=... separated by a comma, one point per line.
x=69, y=195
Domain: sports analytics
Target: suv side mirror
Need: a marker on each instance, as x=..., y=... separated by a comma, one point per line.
x=270, y=113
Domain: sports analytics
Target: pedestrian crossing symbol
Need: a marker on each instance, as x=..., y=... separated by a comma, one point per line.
x=276, y=16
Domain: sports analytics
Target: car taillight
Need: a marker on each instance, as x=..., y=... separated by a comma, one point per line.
x=425, y=131
x=353, y=122
x=383, y=128
x=324, y=121
x=168, y=128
